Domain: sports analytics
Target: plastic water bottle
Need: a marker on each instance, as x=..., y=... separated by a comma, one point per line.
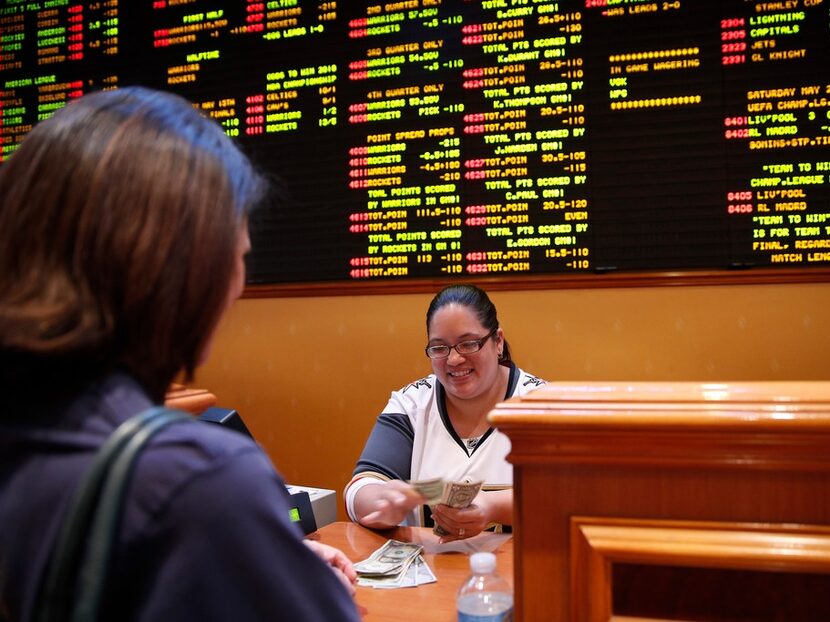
x=485, y=596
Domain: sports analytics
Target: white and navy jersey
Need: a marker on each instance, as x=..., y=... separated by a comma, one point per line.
x=413, y=439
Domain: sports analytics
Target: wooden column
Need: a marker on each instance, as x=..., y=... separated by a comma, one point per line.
x=641, y=500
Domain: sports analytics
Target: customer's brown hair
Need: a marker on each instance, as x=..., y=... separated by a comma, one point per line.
x=119, y=219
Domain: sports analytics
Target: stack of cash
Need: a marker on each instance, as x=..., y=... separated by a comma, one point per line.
x=395, y=564
x=453, y=494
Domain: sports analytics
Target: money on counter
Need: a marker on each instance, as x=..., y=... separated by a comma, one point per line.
x=453, y=494
x=418, y=573
x=389, y=559
x=395, y=564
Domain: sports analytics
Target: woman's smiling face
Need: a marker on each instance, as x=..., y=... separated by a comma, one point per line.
x=470, y=375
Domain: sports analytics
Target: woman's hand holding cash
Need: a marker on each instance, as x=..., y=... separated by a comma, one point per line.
x=456, y=516
x=395, y=501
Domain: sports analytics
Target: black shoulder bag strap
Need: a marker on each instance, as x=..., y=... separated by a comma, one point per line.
x=74, y=579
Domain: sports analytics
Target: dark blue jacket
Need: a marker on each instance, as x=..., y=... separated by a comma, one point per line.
x=205, y=534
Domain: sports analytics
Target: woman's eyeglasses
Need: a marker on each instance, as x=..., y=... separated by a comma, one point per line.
x=462, y=347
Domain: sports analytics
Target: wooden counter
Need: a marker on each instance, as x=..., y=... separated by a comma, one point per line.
x=671, y=490
x=434, y=602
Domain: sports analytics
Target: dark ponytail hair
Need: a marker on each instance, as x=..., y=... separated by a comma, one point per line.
x=477, y=300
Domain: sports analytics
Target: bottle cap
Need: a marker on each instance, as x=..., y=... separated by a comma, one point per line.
x=482, y=562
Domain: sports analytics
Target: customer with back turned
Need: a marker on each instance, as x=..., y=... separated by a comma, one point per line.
x=437, y=427
x=123, y=228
